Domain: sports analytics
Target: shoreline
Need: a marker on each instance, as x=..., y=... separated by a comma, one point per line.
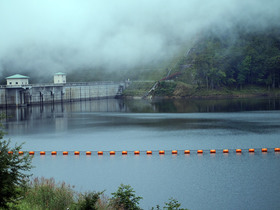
x=240, y=96
x=184, y=92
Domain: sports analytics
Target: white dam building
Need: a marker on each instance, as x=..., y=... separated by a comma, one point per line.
x=17, y=80
x=59, y=78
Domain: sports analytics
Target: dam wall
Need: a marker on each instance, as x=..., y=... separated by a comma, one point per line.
x=53, y=93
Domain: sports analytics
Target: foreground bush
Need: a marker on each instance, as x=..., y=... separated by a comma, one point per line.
x=46, y=194
x=125, y=199
x=92, y=201
x=13, y=168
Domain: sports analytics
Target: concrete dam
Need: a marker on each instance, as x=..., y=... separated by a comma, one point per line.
x=28, y=94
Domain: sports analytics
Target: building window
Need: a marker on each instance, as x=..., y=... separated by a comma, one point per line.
x=16, y=83
x=10, y=83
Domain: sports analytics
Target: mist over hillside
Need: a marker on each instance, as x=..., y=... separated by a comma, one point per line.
x=112, y=39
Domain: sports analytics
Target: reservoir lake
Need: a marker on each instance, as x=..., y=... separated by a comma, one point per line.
x=197, y=181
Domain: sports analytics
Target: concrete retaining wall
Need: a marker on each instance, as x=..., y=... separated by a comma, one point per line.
x=51, y=93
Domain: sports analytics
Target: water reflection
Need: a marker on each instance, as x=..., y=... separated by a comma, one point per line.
x=217, y=105
x=141, y=106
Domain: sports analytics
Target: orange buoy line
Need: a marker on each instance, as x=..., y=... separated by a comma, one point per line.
x=251, y=150
x=225, y=151
x=161, y=152
x=174, y=152
x=264, y=149
x=187, y=151
x=53, y=153
x=88, y=152
x=149, y=152
x=238, y=150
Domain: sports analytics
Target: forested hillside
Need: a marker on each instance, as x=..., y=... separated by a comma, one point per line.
x=234, y=59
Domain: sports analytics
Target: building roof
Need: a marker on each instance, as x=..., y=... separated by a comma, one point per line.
x=17, y=76
x=59, y=73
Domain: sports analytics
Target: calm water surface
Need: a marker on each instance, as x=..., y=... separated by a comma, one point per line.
x=219, y=181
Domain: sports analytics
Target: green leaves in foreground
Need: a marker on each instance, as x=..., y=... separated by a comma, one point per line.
x=125, y=198
x=13, y=176
x=173, y=204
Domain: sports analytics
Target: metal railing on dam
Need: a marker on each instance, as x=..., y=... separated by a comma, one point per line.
x=61, y=84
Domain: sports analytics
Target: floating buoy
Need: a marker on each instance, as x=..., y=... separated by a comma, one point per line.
x=161, y=152
x=225, y=151
x=277, y=150
x=20, y=152
x=100, y=153
x=264, y=149
x=53, y=153
x=200, y=151
x=251, y=150
x=149, y=152
x=174, y=152
x=65, y=153
x=31, y=153
x=76, y=153
x=187, y=152
x=88, y=152
x=112, y=152
x=212, y=151
x=10, y=152
x=238, y=150
x=124, y=152
x=137, y=152
x=42, y=153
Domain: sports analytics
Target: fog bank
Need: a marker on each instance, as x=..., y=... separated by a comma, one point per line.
x=51, y=36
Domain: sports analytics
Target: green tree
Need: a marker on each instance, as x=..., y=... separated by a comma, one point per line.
x=13, y=168
x=125, y=199
x=173, y=204
x=89, y=201
x=273, y=73
x=244, y=71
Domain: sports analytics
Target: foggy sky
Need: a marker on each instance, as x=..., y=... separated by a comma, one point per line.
x=48, y=36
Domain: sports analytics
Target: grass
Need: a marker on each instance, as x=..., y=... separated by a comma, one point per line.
x=138, y=88
x=179, y=89
x=46, y=194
